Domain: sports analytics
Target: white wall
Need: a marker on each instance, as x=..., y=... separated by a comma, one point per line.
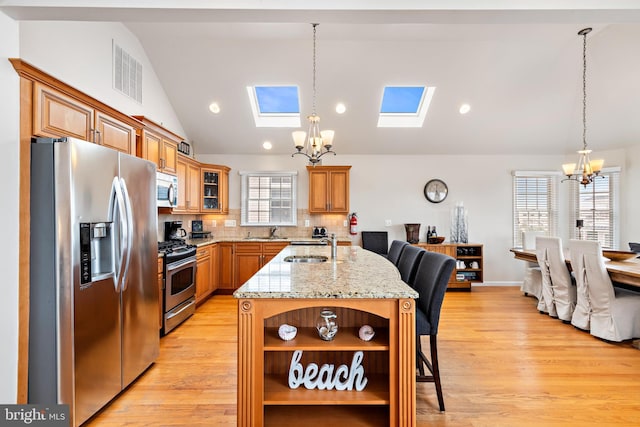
x=391, y=187
x=9, y=176
x=80, y=54
x=630, y=216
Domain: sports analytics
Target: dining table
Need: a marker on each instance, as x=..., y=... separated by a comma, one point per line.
x=626, y=272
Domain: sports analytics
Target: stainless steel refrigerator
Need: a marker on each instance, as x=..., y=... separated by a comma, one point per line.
x=93, y=276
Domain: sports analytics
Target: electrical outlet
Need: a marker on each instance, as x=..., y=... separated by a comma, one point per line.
x=387, y=223
x=229, y=222
x=307, y=223
x=345, y=223
x=213, y=223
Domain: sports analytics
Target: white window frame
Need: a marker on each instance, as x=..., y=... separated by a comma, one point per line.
x=244, y=207
x=534, y=216
x=609, y=238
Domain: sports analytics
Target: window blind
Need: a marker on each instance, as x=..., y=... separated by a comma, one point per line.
x=597, y=205
x=535, y=204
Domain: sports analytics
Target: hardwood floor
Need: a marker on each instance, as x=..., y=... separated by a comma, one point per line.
x=502, y=364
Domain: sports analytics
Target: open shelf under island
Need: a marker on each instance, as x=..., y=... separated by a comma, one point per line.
x=361, y=288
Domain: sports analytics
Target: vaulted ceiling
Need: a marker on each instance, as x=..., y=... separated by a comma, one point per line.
x=520, y=70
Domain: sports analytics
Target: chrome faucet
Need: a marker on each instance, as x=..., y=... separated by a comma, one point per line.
x=273, y=232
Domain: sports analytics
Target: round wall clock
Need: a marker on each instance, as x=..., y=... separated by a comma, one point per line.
x=436, y=191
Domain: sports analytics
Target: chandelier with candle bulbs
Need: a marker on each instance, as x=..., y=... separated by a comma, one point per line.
x=586, y=170
x=316, y=143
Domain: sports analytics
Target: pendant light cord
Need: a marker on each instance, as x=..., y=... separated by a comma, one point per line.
x=584, y=33
x=314, y=68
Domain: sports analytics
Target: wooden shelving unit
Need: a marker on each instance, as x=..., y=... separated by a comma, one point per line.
x=461, y=278
x=470, y=253
x=264, y=396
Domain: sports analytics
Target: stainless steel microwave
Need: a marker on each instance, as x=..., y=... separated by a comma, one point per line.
x=166, y=190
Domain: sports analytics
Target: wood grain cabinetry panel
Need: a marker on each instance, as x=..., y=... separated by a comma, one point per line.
x=56, y=115
x=328, y=189
x=203, y=273
x=226, y=265
x=115, y=134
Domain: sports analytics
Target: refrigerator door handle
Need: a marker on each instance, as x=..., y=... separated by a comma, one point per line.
x=117, y=211
x=129, y=237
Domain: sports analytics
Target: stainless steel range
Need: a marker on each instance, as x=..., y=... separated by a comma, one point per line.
x=179, y=281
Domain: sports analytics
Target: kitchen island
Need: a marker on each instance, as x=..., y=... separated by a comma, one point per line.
x=361, y=288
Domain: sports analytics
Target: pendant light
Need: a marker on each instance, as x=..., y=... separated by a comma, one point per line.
x=587, y=170
x=313, y=144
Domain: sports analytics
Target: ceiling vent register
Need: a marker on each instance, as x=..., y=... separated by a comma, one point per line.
x=127, y=74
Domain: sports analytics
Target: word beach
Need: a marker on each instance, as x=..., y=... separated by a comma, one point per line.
x=327, y=377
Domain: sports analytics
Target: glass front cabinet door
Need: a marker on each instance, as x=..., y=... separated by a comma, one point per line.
x=215, y=189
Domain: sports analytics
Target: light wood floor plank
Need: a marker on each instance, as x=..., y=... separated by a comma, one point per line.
x=502, y=364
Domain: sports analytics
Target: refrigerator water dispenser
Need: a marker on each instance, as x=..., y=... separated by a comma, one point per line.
x=96, y=254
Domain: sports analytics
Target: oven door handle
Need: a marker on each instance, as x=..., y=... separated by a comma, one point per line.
x=180, y=264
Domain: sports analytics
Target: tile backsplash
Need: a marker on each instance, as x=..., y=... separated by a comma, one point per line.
x=216, y=225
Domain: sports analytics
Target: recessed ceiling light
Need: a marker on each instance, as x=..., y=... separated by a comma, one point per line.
x=267, y=145
x=465, y=108
x=214, y=107
x=340, y=108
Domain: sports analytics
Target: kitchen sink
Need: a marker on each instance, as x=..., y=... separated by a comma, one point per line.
x=306, y=258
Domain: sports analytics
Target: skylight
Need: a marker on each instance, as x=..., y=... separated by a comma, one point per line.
x=404, y=106
x=275, y=106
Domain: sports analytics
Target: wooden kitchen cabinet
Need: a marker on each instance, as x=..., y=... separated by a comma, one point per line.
x=252, y=256
x=226, y=266
x=215, y=189
x=238, y=261
x=188, y=173
x=159, y=145
x=57, y=114
x=248, y=261
x=204, y=273
x=328, y=189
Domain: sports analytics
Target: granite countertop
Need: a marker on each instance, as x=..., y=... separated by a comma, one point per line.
x=210, y=240
x=356, y=273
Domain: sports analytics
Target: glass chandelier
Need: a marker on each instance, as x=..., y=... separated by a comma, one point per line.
x=313, y=144
x=587, y=170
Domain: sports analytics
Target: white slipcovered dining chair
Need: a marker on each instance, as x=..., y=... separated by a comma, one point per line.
x=532, y=282
x=558, y=297
x=614, y=313
x=581, y=318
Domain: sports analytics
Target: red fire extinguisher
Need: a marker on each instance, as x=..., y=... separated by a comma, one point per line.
x=353, y=224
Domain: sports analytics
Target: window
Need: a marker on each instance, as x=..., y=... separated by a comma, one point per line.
x=404, y=106
x=535, y=204
x=597, y=205
x=275, y=106
x=268, y=198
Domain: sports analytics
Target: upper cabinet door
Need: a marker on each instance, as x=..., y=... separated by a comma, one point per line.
x=57, y=115
x=151, y=147
x=115, y=134
x=328, y=189
x=339, y=194
x=169, y=156
x=318, y=191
